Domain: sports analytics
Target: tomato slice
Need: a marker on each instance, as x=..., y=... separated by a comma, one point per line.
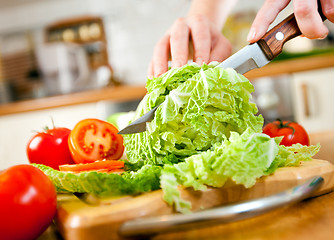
x=106, y=165
x=92, y=139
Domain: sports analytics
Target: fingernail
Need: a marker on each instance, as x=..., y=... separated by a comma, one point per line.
x=251, y=34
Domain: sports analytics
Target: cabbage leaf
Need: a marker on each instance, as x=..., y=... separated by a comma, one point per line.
x=242, y=159
x=199, y=107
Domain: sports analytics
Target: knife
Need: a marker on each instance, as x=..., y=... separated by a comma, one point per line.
x=225, y=214
x=252, y=56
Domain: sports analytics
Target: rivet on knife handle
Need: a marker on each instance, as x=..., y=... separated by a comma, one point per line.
x=272, y=42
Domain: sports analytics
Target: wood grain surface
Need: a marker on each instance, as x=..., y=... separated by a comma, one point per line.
x=78, y=220
x=288, y=29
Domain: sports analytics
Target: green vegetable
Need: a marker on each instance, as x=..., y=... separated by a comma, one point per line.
x=205, y=132
x=200, y=106
x=105, y=184
x=242, y=159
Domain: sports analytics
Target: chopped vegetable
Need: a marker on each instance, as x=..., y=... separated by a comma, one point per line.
x=242, y=159
x=105, y=184
x=97, y=165
x=92, y=139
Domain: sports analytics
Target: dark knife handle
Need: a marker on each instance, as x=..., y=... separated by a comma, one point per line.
x=272, y=42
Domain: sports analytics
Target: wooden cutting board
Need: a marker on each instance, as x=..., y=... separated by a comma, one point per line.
x=78, y=220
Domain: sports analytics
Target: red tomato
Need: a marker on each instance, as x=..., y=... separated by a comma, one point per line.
x=28, y=202
x=50, y=148
x=108, y=165
x=292, y=132
x=93, y=139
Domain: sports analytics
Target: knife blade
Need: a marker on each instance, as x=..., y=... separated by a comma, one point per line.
x=252, y=56
x=225, y=214
x=139, y=125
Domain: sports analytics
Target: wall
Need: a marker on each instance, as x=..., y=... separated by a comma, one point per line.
x=134, y=31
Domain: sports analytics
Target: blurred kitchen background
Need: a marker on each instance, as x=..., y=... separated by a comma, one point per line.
x=50, y=49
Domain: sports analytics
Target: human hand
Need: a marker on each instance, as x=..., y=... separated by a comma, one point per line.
x=306, y=13
x=208, y=44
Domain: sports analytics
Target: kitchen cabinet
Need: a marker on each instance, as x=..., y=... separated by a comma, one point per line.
x=313, y=99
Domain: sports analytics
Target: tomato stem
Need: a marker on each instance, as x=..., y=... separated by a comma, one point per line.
x=53, y=122
x=53, y=125
x=286, y=125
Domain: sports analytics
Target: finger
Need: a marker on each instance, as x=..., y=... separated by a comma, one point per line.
x=179, y=40
x=308, y=19
x=265, y=16
x=221, y=50
x=159, y=63
x=328, y=9
x=201, y=38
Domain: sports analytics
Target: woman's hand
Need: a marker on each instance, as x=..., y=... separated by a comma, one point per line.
x=206, y=38
x=306, y=13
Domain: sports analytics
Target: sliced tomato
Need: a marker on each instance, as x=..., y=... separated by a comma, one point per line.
x=102, y=166
x=92, y=139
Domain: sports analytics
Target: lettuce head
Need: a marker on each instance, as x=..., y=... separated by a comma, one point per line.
x=200, y=106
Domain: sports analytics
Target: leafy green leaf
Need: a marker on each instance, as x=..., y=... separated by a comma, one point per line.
x=200, y=106
x=243, y=158
x=105, y=184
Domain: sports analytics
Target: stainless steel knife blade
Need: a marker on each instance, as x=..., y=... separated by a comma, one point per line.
x=246, y=59
x=139, y=125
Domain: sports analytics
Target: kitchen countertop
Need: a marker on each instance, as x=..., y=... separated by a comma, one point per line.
x=128, y=93
x=308, y=220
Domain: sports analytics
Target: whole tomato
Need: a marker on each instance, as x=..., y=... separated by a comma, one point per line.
x=292, y=132
x=28, y=202
x=50, y=148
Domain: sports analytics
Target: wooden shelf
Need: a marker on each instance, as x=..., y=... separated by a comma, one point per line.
x=293, y=65
x=82, y=30
x=117, y=93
